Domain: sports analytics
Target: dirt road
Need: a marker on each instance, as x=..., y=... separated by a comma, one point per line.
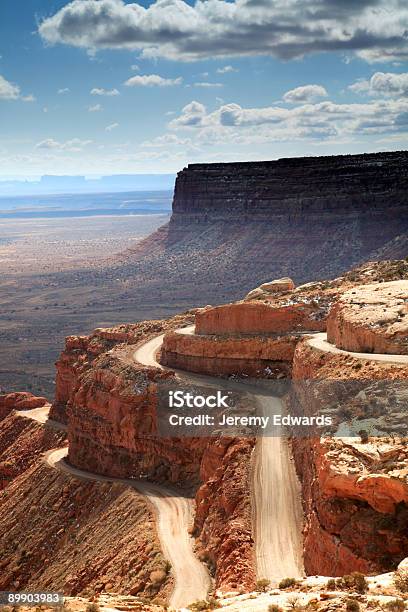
x=174, y=513
x=319, y=341
x=276, y=503
x=41, y=416
x=276, y=499
x=174, y=519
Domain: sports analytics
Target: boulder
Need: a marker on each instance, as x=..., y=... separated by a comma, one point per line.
x=279, y=285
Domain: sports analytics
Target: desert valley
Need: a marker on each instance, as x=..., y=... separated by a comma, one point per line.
x=284, y=284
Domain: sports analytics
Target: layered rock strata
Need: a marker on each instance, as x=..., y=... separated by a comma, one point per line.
x=256, y=356
x=371, y=319
x=355, y=492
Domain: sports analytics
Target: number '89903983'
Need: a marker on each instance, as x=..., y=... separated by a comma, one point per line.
x=31, y=598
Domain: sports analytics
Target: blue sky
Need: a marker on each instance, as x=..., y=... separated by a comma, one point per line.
x=107, y=86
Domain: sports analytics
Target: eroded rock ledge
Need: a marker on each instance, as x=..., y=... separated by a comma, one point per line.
x=109, y=400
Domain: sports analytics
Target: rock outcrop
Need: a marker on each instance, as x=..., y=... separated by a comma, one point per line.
x=291, y=187
x=76, y=537
x=371, y=319
x=257, y=317
x=19, y=401
x=355, y=491
x=257, y=356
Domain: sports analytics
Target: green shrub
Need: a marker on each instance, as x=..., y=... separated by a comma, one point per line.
x=204, y=605
x=262, y=584
x=352, y=605
x=353, y=582
x=331, y=584
x=363, y=435
x=287, y=582
x=401, y=582
x=395, y=605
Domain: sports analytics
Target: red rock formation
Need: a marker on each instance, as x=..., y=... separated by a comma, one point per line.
x=371, y=319
x=67, y=535
x=355, y=496
x=259, y=318
x=22, y=442
x=258, y=356
x=223, y=520
x=19, y=401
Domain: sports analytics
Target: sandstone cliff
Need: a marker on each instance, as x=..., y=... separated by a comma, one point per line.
x=307, y=218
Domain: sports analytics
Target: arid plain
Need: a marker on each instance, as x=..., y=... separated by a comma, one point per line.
x=35, y=319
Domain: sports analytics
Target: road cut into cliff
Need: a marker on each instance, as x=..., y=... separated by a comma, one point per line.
x=276, y=498
x=174, y=520
x=174, y=513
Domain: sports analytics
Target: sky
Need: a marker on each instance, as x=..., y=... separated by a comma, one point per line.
x=108, y=86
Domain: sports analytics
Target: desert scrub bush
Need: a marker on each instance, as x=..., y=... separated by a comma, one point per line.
x=205, y=605
x=353, y=582
x=331, y=584
x=262, y=584
x=92, y=607
x=352, y=605
x=401, y=581
x=287, y=582
x=395, y=605
x=364, y=436
x=294, y=604
x=274, y=608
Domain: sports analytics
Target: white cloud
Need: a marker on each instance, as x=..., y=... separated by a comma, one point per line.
x=375, y=30
x=383, y=83
x=111, y=127
x=205, y=85
x=320, y=121
x=165, y=141
x=100, y=91
x=8, y=91
x=64, y=90
x=192, y=115
x=306, y=93
x=152, y=80
x=11, y=91
x=135, y=67
x=226, y=69
x=95, y=108
x=74, y=145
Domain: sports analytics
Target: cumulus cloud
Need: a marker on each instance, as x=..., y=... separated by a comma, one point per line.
x=63, y=90
x=192, y=115
x=152, y=80
x=383, y=84
x=111, y=127
x=100, y=91
x=74, y=145
x=95, y=108
x=373, y=29
x=306, y=93
x=11, y=91
x=226, y=69
x=319, y=121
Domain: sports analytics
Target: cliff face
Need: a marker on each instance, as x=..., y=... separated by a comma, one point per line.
x=291, y=188
x=307, y=218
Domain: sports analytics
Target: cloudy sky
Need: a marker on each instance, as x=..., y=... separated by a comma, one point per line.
x=112, y=86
